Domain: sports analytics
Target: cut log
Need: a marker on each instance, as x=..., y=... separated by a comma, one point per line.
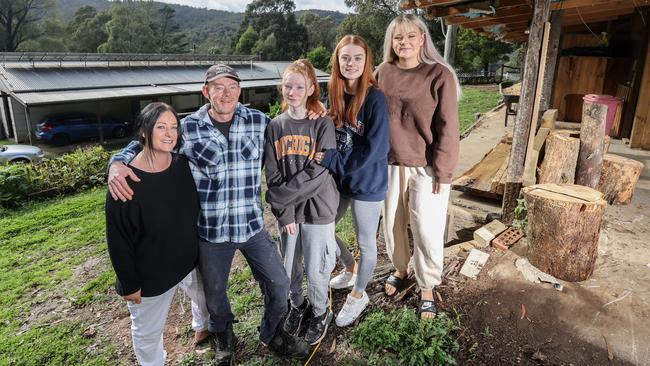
x=559, y=164
x=592, y=138
x=618, y=178
x=563, y=229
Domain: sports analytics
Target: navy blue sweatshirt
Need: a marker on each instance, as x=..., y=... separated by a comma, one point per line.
x=360, y=159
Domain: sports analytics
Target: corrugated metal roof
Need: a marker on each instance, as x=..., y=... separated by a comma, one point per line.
x=87, y=95
x=32, y=86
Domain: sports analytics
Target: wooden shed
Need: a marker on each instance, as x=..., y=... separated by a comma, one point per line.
x=574, y=48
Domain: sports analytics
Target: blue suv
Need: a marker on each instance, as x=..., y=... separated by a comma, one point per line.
x=63, y=129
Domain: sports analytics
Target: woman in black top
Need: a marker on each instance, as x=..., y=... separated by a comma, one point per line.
x=153, y=239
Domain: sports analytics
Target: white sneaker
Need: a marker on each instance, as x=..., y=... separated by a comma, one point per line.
x=344, y=279
x=351, y=310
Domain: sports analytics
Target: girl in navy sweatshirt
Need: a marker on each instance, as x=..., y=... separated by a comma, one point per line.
x=303, y=198
x=358, y=109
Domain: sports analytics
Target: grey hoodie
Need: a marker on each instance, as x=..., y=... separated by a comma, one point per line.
x=299, y=189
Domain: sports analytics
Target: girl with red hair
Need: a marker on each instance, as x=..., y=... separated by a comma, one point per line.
x=359, y=162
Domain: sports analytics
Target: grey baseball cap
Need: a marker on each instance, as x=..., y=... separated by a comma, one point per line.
x=220, y=70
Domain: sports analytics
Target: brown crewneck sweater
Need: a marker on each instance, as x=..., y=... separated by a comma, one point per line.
x=423, y=109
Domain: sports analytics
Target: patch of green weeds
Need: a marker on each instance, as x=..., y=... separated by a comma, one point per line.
x=400, y=338
x=521, y=215
x=345, y=230
x=95, y=290
x=59, y=344
x=487, y=332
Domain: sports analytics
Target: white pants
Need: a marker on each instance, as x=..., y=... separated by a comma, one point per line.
x=410, y=201
x=149, y=316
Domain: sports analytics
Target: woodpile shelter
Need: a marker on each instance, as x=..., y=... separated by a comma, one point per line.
x=36, y=85
x=575, y=48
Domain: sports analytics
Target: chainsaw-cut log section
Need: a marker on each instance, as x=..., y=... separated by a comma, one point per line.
x=559, y=164
x=486, y=178
x=592, y=144
x=563, y=229
x=618, y=178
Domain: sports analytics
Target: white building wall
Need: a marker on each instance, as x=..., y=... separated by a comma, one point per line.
x=19, y=120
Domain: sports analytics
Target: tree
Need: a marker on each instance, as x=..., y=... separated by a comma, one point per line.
x=247, y=41
x=371, y=20
x=130, y=29
x=87, y=30
x=18, y=19
x=273, y=17
x=320, y=58
x=320, y=31
x=52, y=37
x=170, y=39
x=477, y=52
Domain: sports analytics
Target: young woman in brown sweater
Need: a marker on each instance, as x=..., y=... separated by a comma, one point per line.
x=422, y=92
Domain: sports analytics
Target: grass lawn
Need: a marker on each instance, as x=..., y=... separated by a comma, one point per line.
x=5, y=142
x=475, y=100
x=41, y=247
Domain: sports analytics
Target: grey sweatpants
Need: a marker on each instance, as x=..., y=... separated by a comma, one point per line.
x=365, y=217
x=316, y=244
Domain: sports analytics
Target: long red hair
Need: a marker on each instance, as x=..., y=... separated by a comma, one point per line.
x=336, y=85
x=306, y=69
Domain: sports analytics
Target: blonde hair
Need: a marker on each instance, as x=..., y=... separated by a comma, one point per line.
x=428, y=53
x=336, y=85
x=306, y=69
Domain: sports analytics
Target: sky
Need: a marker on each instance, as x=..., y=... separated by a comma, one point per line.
x=240, y=5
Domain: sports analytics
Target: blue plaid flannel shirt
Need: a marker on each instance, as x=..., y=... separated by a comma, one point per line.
x=227, y=173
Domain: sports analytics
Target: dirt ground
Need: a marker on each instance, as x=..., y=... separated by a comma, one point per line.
x=505, y=319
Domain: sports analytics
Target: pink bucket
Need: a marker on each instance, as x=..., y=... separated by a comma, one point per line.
x=612, y=104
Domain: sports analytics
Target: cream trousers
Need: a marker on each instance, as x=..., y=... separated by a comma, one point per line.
x=410, y=202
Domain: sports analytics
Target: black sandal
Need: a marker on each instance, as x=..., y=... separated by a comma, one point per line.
x=427, y=306
x=397, y=282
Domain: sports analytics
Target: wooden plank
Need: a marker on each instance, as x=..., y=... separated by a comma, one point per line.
x=640, y=136
x=433, y=12
x=537, y=100
x=571, y=40
x=498, y=16
x=503, y=20
x=572, y=4
x=483, y=178
x=524, y=118
x=530, y=171
x=551, y=59
x=413, y=4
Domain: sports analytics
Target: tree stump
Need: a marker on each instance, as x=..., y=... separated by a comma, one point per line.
x=618, y=178
x=559, y=164
x=563, y=229
x=592, y=138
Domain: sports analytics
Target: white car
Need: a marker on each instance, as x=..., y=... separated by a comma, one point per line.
x=20, y=154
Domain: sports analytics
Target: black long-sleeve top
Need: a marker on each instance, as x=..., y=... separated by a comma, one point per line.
x=153, y=239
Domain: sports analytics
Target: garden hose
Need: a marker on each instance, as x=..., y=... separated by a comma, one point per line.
x=318, y=344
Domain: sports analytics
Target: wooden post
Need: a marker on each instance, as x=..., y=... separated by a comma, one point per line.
x=521, y=129
x=551, y=60
x=592, y=144
x=563, y=229
x=28, y=117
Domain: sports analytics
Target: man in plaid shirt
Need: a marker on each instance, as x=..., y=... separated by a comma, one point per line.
x=224, y=143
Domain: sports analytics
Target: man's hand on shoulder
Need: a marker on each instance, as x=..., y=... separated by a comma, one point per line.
x=117, y=184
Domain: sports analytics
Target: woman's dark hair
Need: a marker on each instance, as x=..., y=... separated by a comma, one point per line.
x=147, y=119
